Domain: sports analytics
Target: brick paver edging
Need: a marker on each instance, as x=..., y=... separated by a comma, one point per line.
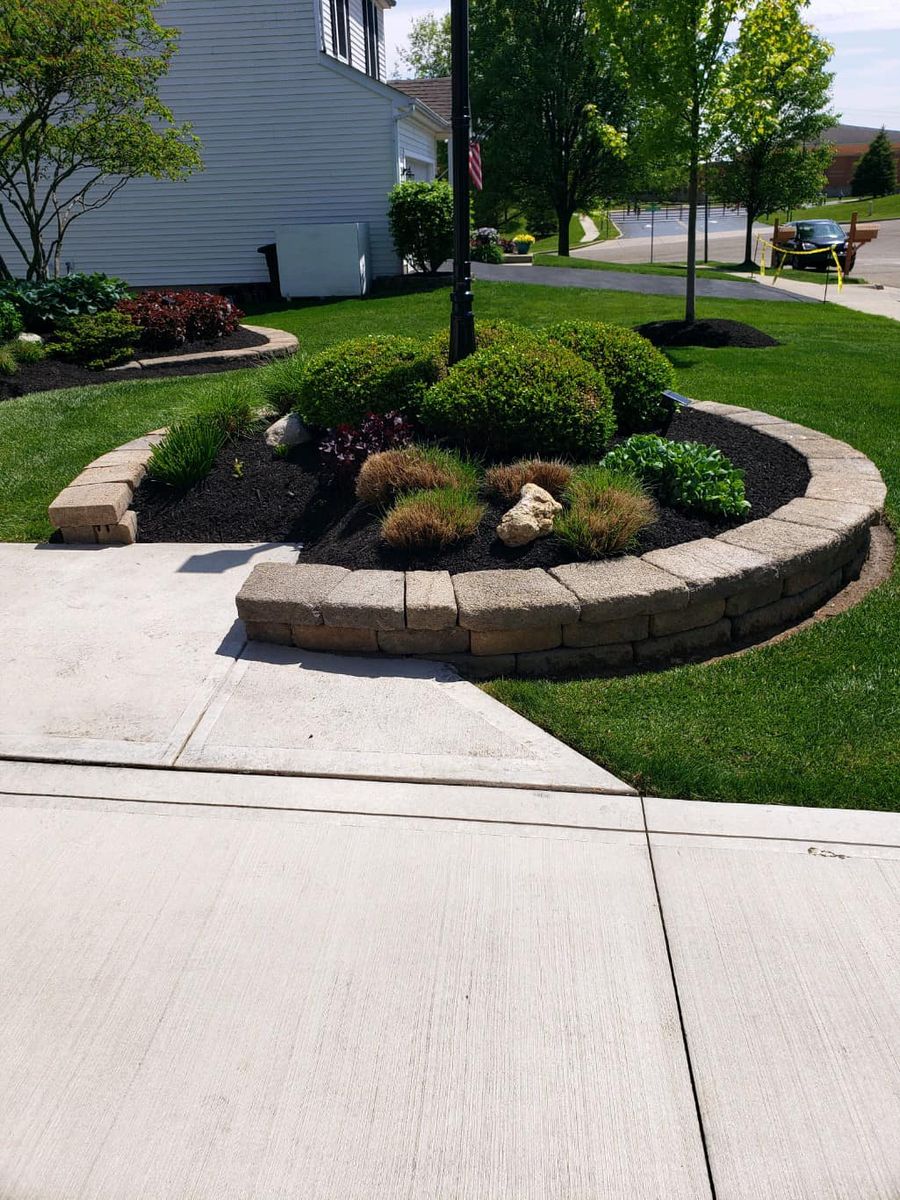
x=689, y=601
x=279, y=345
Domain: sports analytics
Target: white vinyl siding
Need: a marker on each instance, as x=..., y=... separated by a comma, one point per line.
x=288, y=136
x=417, y=150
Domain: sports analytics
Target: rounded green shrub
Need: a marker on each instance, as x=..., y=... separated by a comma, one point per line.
x=11, y=324
x=345, y=382
x=487, y=335
x=636, y=372
x=531, y=398
x=98, y=340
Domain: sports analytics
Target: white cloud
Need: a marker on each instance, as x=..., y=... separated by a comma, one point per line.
x=862, y=16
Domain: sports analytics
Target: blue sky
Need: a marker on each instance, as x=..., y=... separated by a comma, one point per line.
x=865, y=34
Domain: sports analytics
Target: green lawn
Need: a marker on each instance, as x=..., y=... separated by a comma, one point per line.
x=812, y=720
x=883, y=209
x=551, y=244
x=671, y=269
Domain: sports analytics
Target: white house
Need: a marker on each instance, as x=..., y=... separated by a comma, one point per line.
x=297, y=125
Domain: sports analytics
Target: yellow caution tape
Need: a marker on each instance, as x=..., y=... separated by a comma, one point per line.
x=786, y=254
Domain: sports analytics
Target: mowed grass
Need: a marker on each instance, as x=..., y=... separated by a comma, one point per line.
x=813, y=720
x=672, y=270
x=885, y=208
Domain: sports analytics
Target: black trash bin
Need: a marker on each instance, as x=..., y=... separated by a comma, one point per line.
x=270, y=250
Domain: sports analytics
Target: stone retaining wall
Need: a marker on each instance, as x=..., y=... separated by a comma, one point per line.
x=693, y=600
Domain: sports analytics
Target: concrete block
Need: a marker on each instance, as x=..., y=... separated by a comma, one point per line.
x=790, y=547
x=810, y=442
x=120, y=458
x=79, y=535
x=853, y=569
x=697, y=615
x=424, y=641
x=606, y=633
x=621, y=587
x=90, y=504
x=713, y=568
x=754, y=597
x=367, y=600
x=827, y=514
x=335, y=639
x=747, y=416
x=585, y=660
x=512, y=641
x=721, y=410
x=148, y=441
x=852, y=488
x=474, y=668
x=690, y=643
x=430, y=600
x=286, y=592
x=127, y=471
x=123, y=533
x=788, y=610
x=276, y=632
x=513, y=600
x=856, y=467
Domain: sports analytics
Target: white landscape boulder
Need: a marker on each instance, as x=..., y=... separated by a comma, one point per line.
x=34, y=339
x=531, y=518
x=289, y=431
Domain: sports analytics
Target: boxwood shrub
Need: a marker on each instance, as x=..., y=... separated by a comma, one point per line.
x=636, y=372
x=345, y=382
x=687, y=475
x=487, y=334
x=101, y=340
x=531, y=398
x=10, y=321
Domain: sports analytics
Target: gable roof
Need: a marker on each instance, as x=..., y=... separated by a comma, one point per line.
x=850, y=134
x=433, y=93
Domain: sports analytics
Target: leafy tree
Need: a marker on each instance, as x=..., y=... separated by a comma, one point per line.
x=674, y=53
x=544, y=85
x=778, y=105
x=420, y=216
x=875, y=173
x=427, y=55
x=80, y=115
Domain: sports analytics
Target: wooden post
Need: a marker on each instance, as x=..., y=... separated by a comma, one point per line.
x=851, y=237
x=774, y=243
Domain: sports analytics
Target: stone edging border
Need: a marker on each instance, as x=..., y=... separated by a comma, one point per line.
x=693, y=600
x=279, y=345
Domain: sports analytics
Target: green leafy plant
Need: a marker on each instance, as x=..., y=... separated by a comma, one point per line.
x=636, y=372
x=428, y=521
x=28, y=352
x=421, y=223
x=237, y=469
x=344, y=383
x=686, y=475
x=45, y=306
x=10, y=321
x=97, y=341
x=188, y=452
x=605, y=512
x=8, y=362
x=523, y=399
x=416, y=468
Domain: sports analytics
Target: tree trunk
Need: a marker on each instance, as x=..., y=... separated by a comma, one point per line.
x=563, y=245
x=748, y=241
x=690, y=308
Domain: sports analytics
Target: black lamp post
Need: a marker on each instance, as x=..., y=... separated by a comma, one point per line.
x=462, y=320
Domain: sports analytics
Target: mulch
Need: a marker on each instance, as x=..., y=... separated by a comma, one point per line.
x=713, y=334
x=270, y=499
x=52, y=373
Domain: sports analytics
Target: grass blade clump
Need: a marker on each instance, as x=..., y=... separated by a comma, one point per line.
x=415, y=468
x=281, y=383
x=188, y=452
x=428, y=521
x=508, y=479
x=606, y=511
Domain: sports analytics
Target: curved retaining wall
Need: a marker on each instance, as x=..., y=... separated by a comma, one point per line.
x=690, y=601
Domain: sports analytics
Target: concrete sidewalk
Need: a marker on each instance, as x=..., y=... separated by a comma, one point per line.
x=877, y=302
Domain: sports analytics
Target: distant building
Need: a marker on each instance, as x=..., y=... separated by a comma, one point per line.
x=851, y=142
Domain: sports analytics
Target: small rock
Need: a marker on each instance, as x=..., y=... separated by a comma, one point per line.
x=31, y=337
x=531, y=518
x=289, y=431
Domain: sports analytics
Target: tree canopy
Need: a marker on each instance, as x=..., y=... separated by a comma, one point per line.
x=80, y=115
x=876, y=172
x=427, y=54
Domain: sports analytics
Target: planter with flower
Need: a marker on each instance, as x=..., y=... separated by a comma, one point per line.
x=523, y=243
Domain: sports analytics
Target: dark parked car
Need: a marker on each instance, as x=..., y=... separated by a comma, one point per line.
x=811, y=235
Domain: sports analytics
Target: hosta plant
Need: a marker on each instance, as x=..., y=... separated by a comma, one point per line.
x=686, y=475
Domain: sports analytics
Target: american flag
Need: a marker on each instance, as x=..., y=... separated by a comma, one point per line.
x=475, y=172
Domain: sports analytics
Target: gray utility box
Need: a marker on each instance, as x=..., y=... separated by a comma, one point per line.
x=323, y=260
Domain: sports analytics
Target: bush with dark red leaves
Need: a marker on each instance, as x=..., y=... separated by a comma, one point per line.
x=344, y=450
x=168, y=320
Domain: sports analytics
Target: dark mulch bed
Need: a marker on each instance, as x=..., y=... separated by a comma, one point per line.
x=53, y=373
x=286, y=500
x=713, y=334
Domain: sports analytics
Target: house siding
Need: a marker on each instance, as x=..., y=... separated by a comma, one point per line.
x=288, y=136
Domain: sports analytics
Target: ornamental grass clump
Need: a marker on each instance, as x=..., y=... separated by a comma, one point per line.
x=188, y=452
x=605, y=512
x=530, y=398
x=686, y=475
x=430, y=521
x=418, y=468
x=508, y=479
x=636, y=372
x=279, y=383
x=345, y=382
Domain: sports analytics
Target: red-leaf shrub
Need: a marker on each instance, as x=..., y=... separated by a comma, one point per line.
x=344, y=450
x=169, y=319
